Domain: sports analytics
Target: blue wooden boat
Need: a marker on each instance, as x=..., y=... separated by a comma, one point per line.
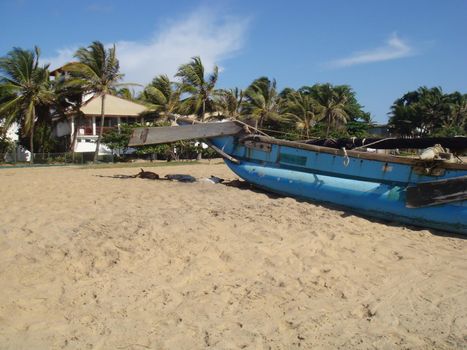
x=428, y=193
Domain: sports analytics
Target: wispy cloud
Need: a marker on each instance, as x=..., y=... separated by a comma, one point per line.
x=394, y=48
x=99, y=8
x=203, y=33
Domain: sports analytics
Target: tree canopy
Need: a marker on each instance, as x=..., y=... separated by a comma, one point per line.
x=25, y=90
x=199, y=88
x=429, y=111
x=96, y=72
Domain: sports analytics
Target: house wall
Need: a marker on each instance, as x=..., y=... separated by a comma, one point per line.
x=12, y=132
x=89, y=145
x=63, y=128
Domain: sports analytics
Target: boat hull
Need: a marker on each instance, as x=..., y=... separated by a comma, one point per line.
x=372, y=188
x=368, y=198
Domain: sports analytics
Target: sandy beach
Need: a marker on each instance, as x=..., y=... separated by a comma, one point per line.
x=95, y=262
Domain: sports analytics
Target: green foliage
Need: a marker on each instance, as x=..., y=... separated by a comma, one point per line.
x=229, y=102
x=6, y=144
x=358, y=129
x=199, y=88
x=262, y=102
x=173, y=151
x=162, y=96
x=334, y=104
x=428, y=111
x=117, y=139
x=25, y=89
x=96, y=72
x=449, y=131
x=44, y=140
x=126, y=94
x=304, y=110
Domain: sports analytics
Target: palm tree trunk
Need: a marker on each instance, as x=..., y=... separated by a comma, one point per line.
x=75, y=136
x=329, y=126
x=203, y=111
x=31, y=144
x=31, y=135
x=98, y=143
x=199, y=149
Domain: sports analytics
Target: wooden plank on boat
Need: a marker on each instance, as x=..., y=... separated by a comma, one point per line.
x=437, y=192
x=167, y=134
x=221, y=152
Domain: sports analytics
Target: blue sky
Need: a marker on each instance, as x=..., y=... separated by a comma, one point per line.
x=380, y=48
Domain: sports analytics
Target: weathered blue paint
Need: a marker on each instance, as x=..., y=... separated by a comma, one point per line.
x=371, y=187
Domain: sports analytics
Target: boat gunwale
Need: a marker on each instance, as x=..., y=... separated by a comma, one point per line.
x=244, y=136
x=353, y=153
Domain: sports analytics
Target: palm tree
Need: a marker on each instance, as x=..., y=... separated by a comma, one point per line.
x=229, y=102
x=262, y=101
x=433, y=108
x=162, y=96
x=67, y=98
x=126, y=94
x=457, y=104
x=26, y=88
x=96, y=72
x=200, y=89
x=332, y=103
x=425, y=111
x=303, y=109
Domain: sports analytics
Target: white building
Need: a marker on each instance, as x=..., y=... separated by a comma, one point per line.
x=87, y=127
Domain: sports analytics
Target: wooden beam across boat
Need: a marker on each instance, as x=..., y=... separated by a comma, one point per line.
x=168, y=134
x=437, y=192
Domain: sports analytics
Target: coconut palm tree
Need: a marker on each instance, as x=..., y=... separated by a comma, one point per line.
x=424, y=111
x=229, y=102
x=199, y=87
x=163, y=96
x=25, y=88
x=126, y=94
x=457, y=104
x=67, y=98
x=332, y=103
x=262, y=101
x=304, y=110
x=96, y=72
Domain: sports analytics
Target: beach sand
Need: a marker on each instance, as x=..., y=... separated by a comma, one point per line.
x=89, y=262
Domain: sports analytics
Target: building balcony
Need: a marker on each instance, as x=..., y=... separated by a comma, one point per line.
x=87, y=130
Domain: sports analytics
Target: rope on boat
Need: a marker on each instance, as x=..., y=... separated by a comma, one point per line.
x=373, y=143
x=251, y=127
x=346, y=158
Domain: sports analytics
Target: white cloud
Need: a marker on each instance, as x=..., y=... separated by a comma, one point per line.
x=394, y=48
x=203, y=33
